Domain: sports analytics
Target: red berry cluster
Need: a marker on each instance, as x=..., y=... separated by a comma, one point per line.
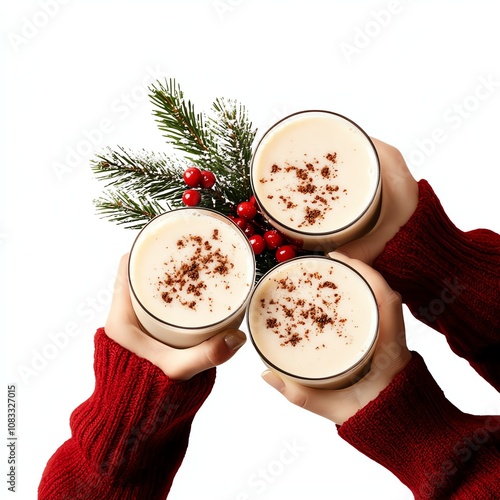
x=196, y=178
x=247, y=217
x=261, y=238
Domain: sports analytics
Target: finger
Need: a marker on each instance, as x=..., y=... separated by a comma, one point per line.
x=210, y=353
x=392, y=329
x=391, y=353
x=335, y=405
x=121, y=311
x=361, y=249
x=382, y=291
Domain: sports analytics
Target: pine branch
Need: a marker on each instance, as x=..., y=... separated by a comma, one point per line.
x=181, y=125
x=121, y=208
x=233, y=136
x=146, y=174
x=234, y=131
x=142, y=185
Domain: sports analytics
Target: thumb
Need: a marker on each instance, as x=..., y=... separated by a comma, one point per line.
x=335, y=405
x=212, y=352
x=360, y=249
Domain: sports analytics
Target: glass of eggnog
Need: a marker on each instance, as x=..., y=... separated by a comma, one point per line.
x=316, y=178
x=191, y=273
x=314, y=320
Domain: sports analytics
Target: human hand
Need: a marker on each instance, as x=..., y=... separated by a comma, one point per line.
x=399, y=201
x=180, y=364
x=390, y=356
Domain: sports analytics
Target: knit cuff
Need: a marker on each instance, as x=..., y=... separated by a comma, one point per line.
x=134, y=407
x=449, y=279
x=430, y=445
x=431, y=254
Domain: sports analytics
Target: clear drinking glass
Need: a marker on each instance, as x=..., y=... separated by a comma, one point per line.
x=191, y=272
x=316, y=178
x=314, y=320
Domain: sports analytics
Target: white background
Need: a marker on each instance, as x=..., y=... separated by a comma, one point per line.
x=401, y=69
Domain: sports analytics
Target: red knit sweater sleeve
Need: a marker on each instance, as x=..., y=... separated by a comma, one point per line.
x=429, y=444
x=129, y=438
x=450, y=280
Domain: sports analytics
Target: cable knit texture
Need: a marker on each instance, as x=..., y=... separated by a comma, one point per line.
x=429, y=444
x=129, y=438
x=450, y=280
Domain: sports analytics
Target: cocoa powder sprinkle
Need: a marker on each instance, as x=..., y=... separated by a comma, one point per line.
x=307, y=315
x=307, y=176
x=187, y=277
x=328, y=284
x=308, y=188
x=271, y=323
x=312, y=215
x=332, y=157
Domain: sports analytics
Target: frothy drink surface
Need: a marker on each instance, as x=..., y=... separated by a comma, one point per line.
x=191, y=270
x=313, y=318
x=315, y=172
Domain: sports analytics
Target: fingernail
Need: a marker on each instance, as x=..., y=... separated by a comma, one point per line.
x=235, y=339
x=273, y=380
x=337, y=252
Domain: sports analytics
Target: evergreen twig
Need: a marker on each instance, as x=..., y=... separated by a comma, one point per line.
x=144, y=173
x=233, y=135
x=132, y=212
x=176, y=118
x=141, y=185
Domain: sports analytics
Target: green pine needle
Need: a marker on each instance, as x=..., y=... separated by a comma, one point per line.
x=133, y=213
x=141, y=185
x=176, y=118
x=144, y=173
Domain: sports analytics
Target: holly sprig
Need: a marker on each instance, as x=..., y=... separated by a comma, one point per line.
x=143, y=184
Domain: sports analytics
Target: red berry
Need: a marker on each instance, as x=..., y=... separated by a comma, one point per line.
x=192, y=176
x=246, y=210
x=249, y=229
x=191, y=197
x=273, y=239
x=285, y=252
x=258, y=243
x=253, y=200
x=241, y=223
x=207, y=179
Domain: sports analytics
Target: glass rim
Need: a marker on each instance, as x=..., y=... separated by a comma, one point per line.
x=326, y=377
x=221, y=217
x=378, y=184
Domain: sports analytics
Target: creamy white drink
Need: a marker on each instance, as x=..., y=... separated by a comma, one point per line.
x=316, y=177
x=314, y=320
x=191, y=273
